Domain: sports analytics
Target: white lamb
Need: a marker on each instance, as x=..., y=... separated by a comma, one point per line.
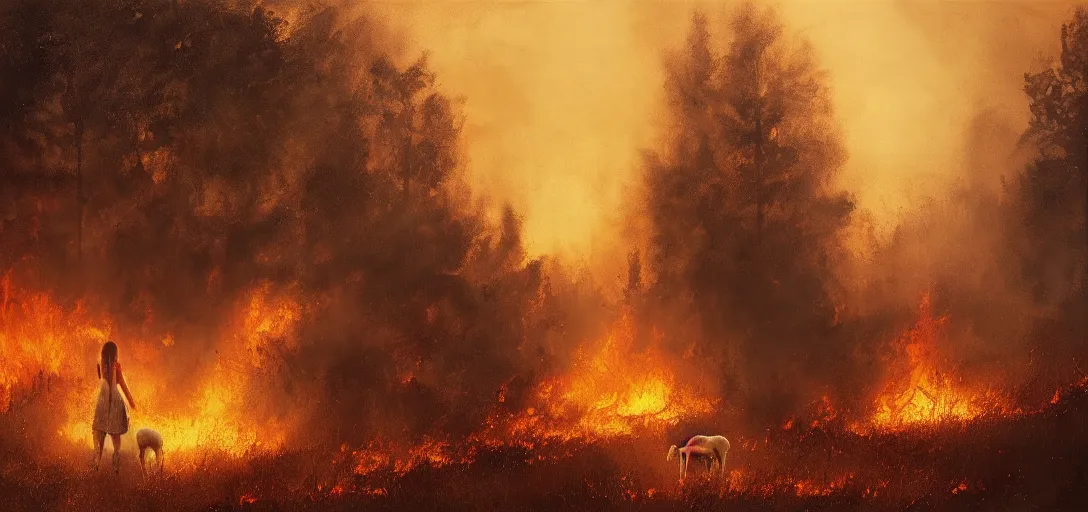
x=713, y=448
x=148, y=439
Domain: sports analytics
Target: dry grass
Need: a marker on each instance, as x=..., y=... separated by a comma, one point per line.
x=1036, y=462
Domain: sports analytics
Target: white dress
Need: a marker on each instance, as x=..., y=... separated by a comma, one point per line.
x=110, y=411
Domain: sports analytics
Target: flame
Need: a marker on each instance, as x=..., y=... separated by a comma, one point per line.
x=1062, y=391
x=379, y=455
x=928, y=395
x=814, y=488
x=741, y=482
x=217, y=417
x=38, y=334
x=612, y=390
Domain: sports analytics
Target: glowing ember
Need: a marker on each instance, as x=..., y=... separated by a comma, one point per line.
x=379, y=456
x=812, y=488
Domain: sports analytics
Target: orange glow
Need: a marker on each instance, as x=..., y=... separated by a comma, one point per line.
x=813, y=488
x=740, y=481
x=216, y=418
x=586, y=77
x=927, y=395
x=613, y=389
x=38, y=334
x=379, y=456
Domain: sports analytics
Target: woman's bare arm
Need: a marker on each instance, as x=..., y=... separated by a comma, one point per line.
x=124, y=387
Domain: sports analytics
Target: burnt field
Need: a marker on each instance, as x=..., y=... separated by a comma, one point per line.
x=1035, y=461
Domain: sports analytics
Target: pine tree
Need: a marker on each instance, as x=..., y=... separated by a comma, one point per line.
x=745, y=217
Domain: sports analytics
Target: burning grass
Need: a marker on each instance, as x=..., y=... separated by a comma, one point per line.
x=923, y=391
x=1034, y=460
x=48, y=344
x=589, y=437
x=612, y=389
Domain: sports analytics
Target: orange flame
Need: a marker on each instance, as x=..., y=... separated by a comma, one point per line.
x=36, y=336
x=927, y=395
x=813, y=488
x=39, y=335
x=612, y=390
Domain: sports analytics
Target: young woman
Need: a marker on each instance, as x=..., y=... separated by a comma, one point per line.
x=110, y=413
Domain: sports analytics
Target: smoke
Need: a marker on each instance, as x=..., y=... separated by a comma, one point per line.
x=933, y=110
x=274, y=218
x=351, y=205
x=907, y=78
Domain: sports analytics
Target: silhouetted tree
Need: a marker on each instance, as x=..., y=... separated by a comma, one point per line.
x=744, y=213
x=213, y=149
x=1054, y=188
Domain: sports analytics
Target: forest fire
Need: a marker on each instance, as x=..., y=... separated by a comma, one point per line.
x=210, y=413
x=922, y=393
x=305, y=235
x=38, y=336
x=401, y=459
x=809, y=488
x=612, y=389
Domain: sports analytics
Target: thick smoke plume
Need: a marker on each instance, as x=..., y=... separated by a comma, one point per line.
x=796, y=309
x=192, y=170
x=270, y=209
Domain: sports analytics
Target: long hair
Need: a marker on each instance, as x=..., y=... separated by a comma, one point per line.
x=109, y=357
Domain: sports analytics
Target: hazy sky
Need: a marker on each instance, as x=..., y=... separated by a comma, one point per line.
x=561, y=96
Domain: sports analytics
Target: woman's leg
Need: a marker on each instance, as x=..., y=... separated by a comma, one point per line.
x=99, y=442
x=116, y=438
